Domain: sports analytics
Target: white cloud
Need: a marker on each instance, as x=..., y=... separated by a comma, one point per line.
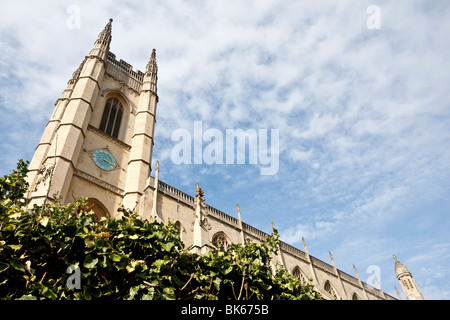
x=297, y=155
x=320, y=125
x=363, y=114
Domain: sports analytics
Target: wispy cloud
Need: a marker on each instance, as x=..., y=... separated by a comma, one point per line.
x=363, y=114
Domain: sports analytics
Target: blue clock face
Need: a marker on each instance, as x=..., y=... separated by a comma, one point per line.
x=104, y=160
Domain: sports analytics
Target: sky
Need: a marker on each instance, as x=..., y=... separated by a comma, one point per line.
x=352, y=96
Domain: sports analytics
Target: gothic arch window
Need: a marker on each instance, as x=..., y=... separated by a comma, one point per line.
x=330, y=289
x=355, y=296
x=99, y=209
x=112, y=117
x=220, y=241
x=297, y=272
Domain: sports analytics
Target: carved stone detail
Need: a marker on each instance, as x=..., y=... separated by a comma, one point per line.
x=200, y=213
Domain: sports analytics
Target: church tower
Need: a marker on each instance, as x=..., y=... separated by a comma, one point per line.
x=99, y=140
x=407, y=282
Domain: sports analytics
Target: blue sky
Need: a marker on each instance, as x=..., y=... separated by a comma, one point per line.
x=363, y=114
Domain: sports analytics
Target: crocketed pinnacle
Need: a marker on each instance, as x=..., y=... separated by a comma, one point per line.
x=104, y=38
x=152, y=67
x=101, y=45
x=77, y=72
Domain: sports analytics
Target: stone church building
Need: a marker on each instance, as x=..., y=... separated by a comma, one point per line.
x=98, y=144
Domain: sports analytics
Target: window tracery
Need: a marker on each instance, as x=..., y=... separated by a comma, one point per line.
x=112, y=117
x=330, y=289
x=221, y=242
x=299, y=275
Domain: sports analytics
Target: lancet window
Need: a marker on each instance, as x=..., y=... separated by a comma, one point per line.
x=330, y=289
x=112, y=117
x=355, y=296
x=299, y=275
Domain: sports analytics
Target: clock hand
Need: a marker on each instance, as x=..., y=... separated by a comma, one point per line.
x=107, y=161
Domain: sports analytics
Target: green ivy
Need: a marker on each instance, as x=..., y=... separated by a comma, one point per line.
x=41, y=249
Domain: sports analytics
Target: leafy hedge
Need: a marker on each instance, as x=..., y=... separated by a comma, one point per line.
x=63, y=252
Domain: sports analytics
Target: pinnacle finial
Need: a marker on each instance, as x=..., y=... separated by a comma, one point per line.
x=151, y=65
x=101, y=45
x=395, y=258
x=199, y=192
x=238, y=211
x=107, y=30
x=77, y=72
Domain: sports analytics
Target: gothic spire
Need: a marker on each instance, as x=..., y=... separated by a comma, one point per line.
x=101, y=45
x=151, y=75
x=104, y=38
x=152, y=67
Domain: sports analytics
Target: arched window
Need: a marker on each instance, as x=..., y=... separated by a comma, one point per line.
x=112, y=116
x=299, y=275
x=98, y=208
x=330, y=289
x=220, y=241
x=355, y=296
